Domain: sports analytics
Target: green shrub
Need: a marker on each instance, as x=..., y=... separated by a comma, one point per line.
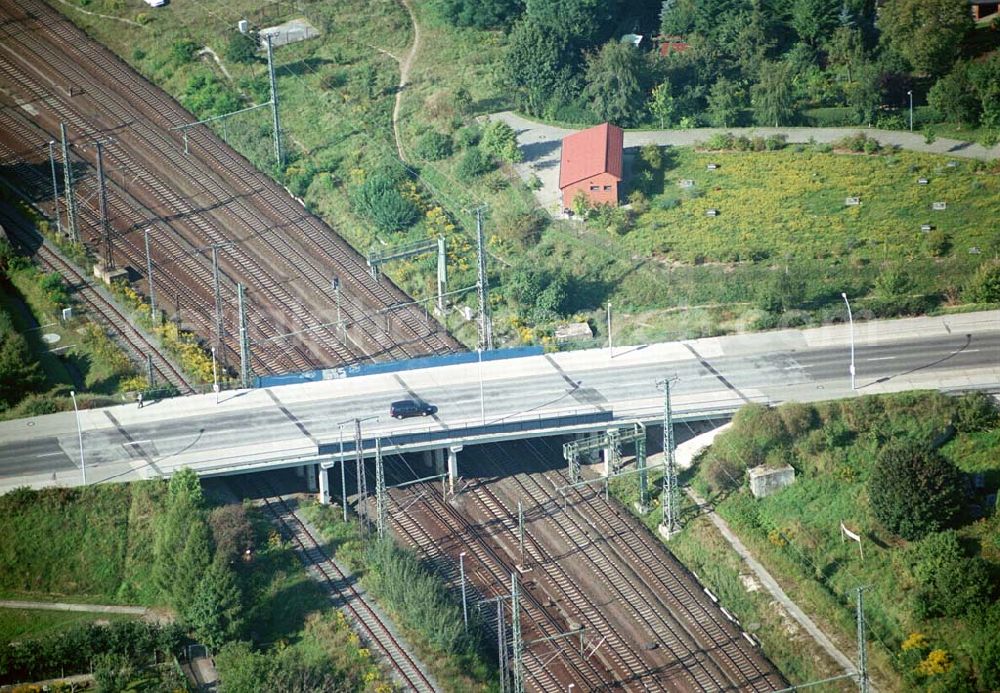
x=984, y=287
x=379, y=199
x=975, y=411
x=468, y=136
x=652, y=156
x=19, y=372
x=433, y=146
x=891, y=121
x=241, y=48
x=719, y=141
x=948, y=583
x=610, y=218
x=913, y=490
x=418, y=597
x=500, y=140
x=182, y=51
x=475, y=163
x=773, y=143
x=938, y=242
x=335, y=79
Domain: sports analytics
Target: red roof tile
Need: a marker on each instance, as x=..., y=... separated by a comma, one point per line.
x=590, y=152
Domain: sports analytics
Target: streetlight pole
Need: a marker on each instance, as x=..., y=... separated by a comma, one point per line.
x=465, y=609
x=79, y=433
x=611, y=347
x=215, y=378
x=910, y=94
x=850, y=318
x=335, y=283
x=343, y=470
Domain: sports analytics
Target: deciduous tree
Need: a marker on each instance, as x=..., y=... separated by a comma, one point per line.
x=928, y=33
x=724, y=103
x=613, y=82
x=772, y=97
x=532, y=65
x=215, y=609
x=913, y=490
x=661, y=103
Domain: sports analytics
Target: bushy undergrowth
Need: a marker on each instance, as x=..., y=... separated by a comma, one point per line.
x=78, y=649
x=417, y=600
x=943, y=586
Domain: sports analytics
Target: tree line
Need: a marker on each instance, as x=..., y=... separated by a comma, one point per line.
x=742, y=62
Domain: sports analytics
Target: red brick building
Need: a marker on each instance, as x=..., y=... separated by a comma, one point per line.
x=592, y=164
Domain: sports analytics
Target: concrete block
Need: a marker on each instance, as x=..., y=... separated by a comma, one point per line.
x=765, y=481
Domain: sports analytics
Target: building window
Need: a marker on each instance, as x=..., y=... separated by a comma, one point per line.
x=607, y=188
x=594, y=188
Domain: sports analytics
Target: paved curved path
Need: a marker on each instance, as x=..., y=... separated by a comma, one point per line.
x=541, y=144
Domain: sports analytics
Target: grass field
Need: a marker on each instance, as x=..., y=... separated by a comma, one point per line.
x=19, y=624
x=92, y=544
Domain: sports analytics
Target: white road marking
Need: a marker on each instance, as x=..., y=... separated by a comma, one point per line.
x=136, y=442
x=882, y=358
x=49, y=454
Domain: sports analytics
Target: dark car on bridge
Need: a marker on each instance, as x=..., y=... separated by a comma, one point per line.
x=405, y=408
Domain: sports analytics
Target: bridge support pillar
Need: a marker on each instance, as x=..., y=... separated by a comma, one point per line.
x=453, y=467
x=324, y=485
x=428, y=458
x=438, y=455
x=310, y=473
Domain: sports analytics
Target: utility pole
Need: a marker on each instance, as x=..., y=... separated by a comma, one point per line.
x=520, y=530
x=362, y=481
x=150, y=373
x=381, y=500
x=483, y=287
x=279, y=154
x=149, y=277
x=220, y=336
x=640, y=463
x=55, y=185
x=670, y=522
x=109, y=260
x=502, y=645
x=518, y=645
x=465, y=607
x=246, y=367
x=862, y=646
x=442, y=274
x=74, y=234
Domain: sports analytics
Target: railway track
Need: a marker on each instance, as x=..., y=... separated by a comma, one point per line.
x=369, y=624
x=551, y=670
x=97, y=306
x=180, y=275
x=637, y=566
x=233, y=195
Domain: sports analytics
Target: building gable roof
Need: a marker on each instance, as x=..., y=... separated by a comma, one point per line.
x=591, y=152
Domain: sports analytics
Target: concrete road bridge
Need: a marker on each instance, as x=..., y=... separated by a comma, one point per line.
x=550, y=394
